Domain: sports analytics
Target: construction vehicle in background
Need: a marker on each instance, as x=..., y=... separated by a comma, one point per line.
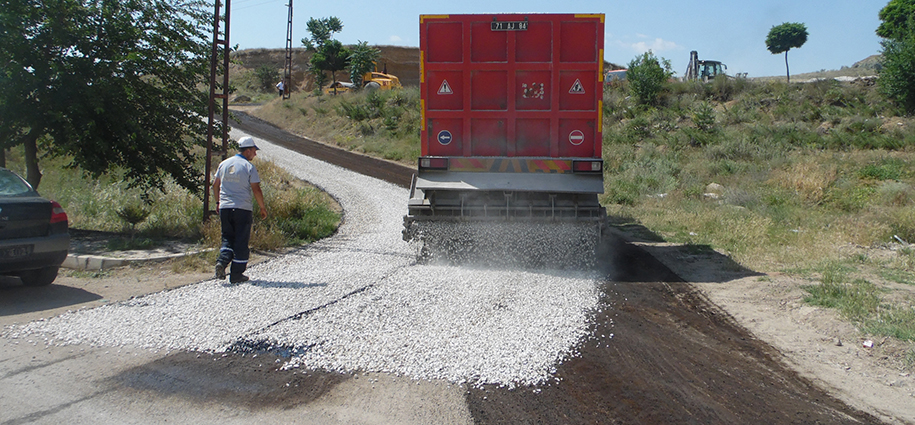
x=380, y=81
x=370, y=80
x=703, y=70
x=510, y=167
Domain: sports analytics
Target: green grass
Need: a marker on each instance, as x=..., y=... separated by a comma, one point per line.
x=299, y=213
x=384, y=123
x=861, y=302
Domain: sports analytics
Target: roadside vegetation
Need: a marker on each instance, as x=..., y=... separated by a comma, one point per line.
x=816, y=180
x=299, y=212
x=384, y=124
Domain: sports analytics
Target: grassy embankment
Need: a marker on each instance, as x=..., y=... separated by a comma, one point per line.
x=816, y=180
x=299, y=213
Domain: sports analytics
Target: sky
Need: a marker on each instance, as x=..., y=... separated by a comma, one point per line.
x=841, y=32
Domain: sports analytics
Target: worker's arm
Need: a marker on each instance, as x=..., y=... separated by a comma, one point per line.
x=256, y=188
x=216, y=184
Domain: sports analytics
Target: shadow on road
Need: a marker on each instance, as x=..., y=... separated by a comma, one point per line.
x=17, y=299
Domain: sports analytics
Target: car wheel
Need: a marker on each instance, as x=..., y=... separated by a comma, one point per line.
x=371, y=85
x=40, y=277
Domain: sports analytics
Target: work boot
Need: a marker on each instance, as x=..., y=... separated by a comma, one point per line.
x=238, y=278
x=220, y=271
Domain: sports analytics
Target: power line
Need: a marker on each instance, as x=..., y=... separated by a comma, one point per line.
x=258, y=4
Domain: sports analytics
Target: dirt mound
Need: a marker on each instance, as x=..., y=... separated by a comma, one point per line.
x=400, y=61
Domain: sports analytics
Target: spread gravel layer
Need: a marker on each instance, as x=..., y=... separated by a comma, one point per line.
x=358, y=301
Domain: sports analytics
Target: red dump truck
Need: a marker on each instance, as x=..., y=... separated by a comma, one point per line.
x=511, y=140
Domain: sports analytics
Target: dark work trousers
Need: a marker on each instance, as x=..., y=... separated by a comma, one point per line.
x=236, y=232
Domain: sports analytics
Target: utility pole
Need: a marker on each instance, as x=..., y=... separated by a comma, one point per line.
x=287, y=71
x=221, y=91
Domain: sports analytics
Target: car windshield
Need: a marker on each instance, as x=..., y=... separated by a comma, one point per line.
x=12, y=185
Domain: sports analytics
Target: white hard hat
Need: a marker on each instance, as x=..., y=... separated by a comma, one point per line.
x=247, y=142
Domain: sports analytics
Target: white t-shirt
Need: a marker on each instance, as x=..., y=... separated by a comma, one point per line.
x=236, y=175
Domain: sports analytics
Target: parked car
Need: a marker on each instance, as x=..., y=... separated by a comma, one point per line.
x=34, y=236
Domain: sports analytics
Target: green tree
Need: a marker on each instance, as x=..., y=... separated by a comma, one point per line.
x=784, y=37
x=647, y=76
x=266, y=76
x=332, y=58
x=321, y=30
x=897, y=19
x=362, y=58
x=327, y=54
x=897, y=74
x=110, y=84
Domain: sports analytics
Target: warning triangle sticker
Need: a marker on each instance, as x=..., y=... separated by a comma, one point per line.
x=577, y=88
x=445, y=88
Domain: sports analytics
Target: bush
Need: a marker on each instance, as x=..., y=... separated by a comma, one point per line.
x=647, y=76
x=897, y=77
x=266, y=77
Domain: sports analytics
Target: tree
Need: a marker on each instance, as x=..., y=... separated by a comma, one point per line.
x=897, y=74
x=266, y=76
x=647, y=76
x=108, y=84
x=321, y=31
x=362, y=59
x=897, y=17
x=332, y=57
x=328, y=54
x=784, y=37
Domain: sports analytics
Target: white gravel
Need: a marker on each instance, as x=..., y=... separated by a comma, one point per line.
x=358, y=302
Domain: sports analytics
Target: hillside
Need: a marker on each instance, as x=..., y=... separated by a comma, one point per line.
x=400, y=61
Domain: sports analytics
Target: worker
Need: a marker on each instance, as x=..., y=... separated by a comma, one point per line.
x=235, y=183
x=281, y=86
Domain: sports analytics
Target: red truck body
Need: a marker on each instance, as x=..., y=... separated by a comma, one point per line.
x=511, y=125
x=514, y=85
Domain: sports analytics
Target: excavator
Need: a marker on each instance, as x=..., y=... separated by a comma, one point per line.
x=703, y=70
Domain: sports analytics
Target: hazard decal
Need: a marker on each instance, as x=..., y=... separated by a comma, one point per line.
x=577, y=88
x=445, y=88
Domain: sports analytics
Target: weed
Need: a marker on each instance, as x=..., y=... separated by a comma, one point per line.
x=886, y=170
x=126, y=244
x=638, y=128
x=895, y=322
x=898, y=276
x=855, y=300
x=704, y=117
x=89, y=274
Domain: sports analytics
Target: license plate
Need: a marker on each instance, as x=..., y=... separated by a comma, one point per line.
x=16, y=251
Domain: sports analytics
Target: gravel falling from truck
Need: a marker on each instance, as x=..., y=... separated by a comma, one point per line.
x=526, y=244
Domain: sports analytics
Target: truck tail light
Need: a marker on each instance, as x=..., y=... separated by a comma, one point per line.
x=595, y=166
x=58, y=215
x=433, y=163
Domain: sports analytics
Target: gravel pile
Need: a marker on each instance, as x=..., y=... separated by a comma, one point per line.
x=358, y=301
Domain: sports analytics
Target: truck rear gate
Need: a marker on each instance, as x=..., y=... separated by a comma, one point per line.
x=511, y=108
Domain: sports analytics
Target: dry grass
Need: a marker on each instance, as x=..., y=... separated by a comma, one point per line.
x=809, y=178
